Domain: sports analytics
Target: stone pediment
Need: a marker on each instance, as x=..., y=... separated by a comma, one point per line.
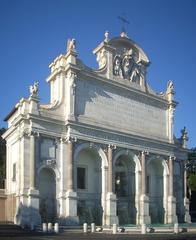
x=121, y=58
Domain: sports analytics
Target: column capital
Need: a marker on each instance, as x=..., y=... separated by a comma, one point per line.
x=70, y=139
x=71, y=74
x=171, y=157
x=143, y=153
x=33, y=133
x=111, y=146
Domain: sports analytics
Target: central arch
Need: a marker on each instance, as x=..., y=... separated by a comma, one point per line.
x=89, y=163
x=157, y=187
x=126, y=180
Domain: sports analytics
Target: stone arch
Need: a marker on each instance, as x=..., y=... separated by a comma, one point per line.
x=93, y=146
x=157, y=173
x=128, y=153
x=91, y=159
x=52, y=168
x=47, y=194
x=127, y=170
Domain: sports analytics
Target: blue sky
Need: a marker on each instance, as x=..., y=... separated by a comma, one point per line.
x=34, y=32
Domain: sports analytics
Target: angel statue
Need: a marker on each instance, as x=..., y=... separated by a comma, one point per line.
x=34, y=89
x=71, y=45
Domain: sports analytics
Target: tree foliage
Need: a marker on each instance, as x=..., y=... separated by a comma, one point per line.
x=191, y=169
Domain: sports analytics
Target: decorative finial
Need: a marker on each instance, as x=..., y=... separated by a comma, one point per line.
x=34, y=89
x=106, y=36
x=184, y=137
x=71, y=45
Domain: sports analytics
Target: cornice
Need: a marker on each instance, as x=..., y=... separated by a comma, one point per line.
x=103, y=136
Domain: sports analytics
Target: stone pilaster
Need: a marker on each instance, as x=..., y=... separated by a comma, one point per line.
x=33, y=194
x=111, y=217
x=144, y=199
x=187, y=217
x=71, y=195
x=62, y=194
x=172, y=218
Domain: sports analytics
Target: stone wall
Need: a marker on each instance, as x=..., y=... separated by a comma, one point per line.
x=10, y=207
x=2, y=205
x=123, y=110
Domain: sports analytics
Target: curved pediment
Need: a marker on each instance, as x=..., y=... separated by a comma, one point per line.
x=121, y=58
x=124, y=44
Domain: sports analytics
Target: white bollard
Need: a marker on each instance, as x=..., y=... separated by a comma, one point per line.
x=44, y=227
x=56, y=228
x=85, y=227
x=49, y=227
x=114, y=228
x=92, y=227
x=176, y=228
x=143, y=229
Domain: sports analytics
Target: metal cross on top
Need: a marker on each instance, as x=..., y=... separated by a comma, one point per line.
x=124, y=21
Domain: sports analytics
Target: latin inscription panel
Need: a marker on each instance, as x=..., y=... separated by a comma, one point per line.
x=124, y=112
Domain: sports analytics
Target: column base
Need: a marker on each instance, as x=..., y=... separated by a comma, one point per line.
x=144, y=217
x=171, y=214
x=187, y=217
x=111, y=217
x=71, y=217
x=28, y=214
x=62, y=203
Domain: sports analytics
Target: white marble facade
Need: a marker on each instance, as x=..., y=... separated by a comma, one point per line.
x=102, y=150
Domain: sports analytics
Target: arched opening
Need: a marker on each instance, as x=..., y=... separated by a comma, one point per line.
x=155, y=190
x=125, y=188
x=47, y=193
x=178, y=191
x=89, y=186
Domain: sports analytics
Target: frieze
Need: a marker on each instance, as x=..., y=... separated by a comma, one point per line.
x=94, y=135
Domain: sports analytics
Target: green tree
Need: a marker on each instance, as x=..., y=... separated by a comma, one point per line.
x=2, y=158
x=191, y=170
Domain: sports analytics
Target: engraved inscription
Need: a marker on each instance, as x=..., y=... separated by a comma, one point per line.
x=115, y=109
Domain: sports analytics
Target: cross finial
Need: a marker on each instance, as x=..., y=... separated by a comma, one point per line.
x=124, y=21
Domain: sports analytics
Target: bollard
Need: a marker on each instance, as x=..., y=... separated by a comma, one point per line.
x=44, y=227
x=143, y=229
x=114, y=229
x=85, y=228
x=49, y=227
x=92, y=227
x=176, y=228
x=56, y=228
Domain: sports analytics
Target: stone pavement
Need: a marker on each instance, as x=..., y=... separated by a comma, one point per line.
x=100, y=236
x=10, y=231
